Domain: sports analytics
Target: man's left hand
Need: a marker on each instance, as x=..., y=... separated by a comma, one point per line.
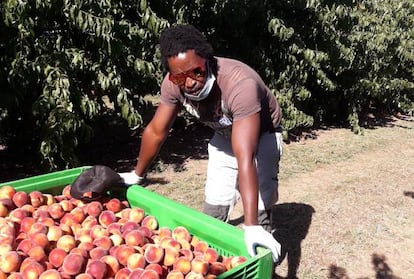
x=255, y=236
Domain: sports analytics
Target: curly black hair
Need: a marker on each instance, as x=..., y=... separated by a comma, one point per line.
x=182, y=37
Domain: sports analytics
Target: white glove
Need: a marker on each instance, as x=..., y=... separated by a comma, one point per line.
x=255, y=236
x=131, y=177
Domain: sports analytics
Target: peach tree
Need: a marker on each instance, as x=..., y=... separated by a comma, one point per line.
x=67, y=62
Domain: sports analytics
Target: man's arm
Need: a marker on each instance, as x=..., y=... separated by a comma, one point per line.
x=154, y=136
x=245, y=136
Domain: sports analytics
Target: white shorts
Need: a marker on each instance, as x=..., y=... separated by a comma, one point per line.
x=222, y=183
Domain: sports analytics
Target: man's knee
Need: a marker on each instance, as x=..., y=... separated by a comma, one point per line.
x=264, y=218
x=220, y=212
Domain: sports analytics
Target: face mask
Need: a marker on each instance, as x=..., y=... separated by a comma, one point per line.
x=205, y=91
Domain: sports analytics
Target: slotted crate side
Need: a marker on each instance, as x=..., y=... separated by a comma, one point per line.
x=227, y=239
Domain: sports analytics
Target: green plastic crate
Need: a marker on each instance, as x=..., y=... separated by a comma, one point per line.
x=227, y=239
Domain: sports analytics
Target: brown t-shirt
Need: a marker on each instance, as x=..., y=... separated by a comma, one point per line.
x=243, y=93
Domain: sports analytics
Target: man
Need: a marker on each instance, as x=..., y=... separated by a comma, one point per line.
x=245, y=150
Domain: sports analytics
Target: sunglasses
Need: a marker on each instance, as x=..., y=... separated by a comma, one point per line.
x=195, y=73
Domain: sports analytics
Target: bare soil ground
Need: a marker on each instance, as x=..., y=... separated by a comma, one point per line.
x=346, y=206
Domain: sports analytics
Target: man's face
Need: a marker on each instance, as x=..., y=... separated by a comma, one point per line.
x=188, y=71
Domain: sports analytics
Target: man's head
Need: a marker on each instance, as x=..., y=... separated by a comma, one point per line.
x=181, y=38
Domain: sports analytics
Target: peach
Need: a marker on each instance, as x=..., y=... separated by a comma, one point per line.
x=134, y=238
x=7, y=239
x=150, y=222
x=83, y=276
x=186, y=253
x=185, y=244
x=18, y=214
x=211, y=255
x=210, y=276
x=26, y=223
x=86, y=245
x=66, y=205
x=10, y=262
x=201, y=246
x=66, y=242
x=40, y=211
x=56, y=257
x=56, y=211
x=103, y=241
x=123, y=252
x=66, y=229
x=149, y=274
x=50, y=199
x=164, y=231
x=47, y=221
x=181, y=232
x=54, y=233
x=94, y=208
x=8, y=204
x=5, y=248
x=66, y=192
x=170, y=255
x=199, y=265
x=36, y=198
x=136, y=260
x=78, y=215
x=39, y=239
x=194, y=275
x=98, y=231
x=73, y=264
x=106, y=218
x=129, y=226
x=217, y=268
x=81, y=251
x=136, y=273
x=114, y=205
x=124, y=273
x=4, y=211
x=114, y=228
x=97, y=253
x=146, y=232
x=67, y=219
x=89, y=222
x=84, y=237
x=161, y=271
x=24, y=246
x=124, y=213
x=170, y=242
x=96, y=268
x=15, y=275
x=117, y=239
x=112, y=265
x=136, y=214
x=37, y=253
x=37, y=227
x=78, y=203
x=50, y=274
x=28, y=208
x=7, y=192
x=175, y=274
x=237, y=260
x=32, y=270
x=183, y=265
x=20, y=198
x=153, y=253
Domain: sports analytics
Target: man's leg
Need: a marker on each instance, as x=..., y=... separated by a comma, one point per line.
x=221, y=180
x=267, y=160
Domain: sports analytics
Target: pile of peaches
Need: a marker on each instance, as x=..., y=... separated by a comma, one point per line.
x=49, y=236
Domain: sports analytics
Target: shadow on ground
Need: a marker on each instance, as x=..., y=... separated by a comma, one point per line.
x=381, y=268
x=291, y=222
